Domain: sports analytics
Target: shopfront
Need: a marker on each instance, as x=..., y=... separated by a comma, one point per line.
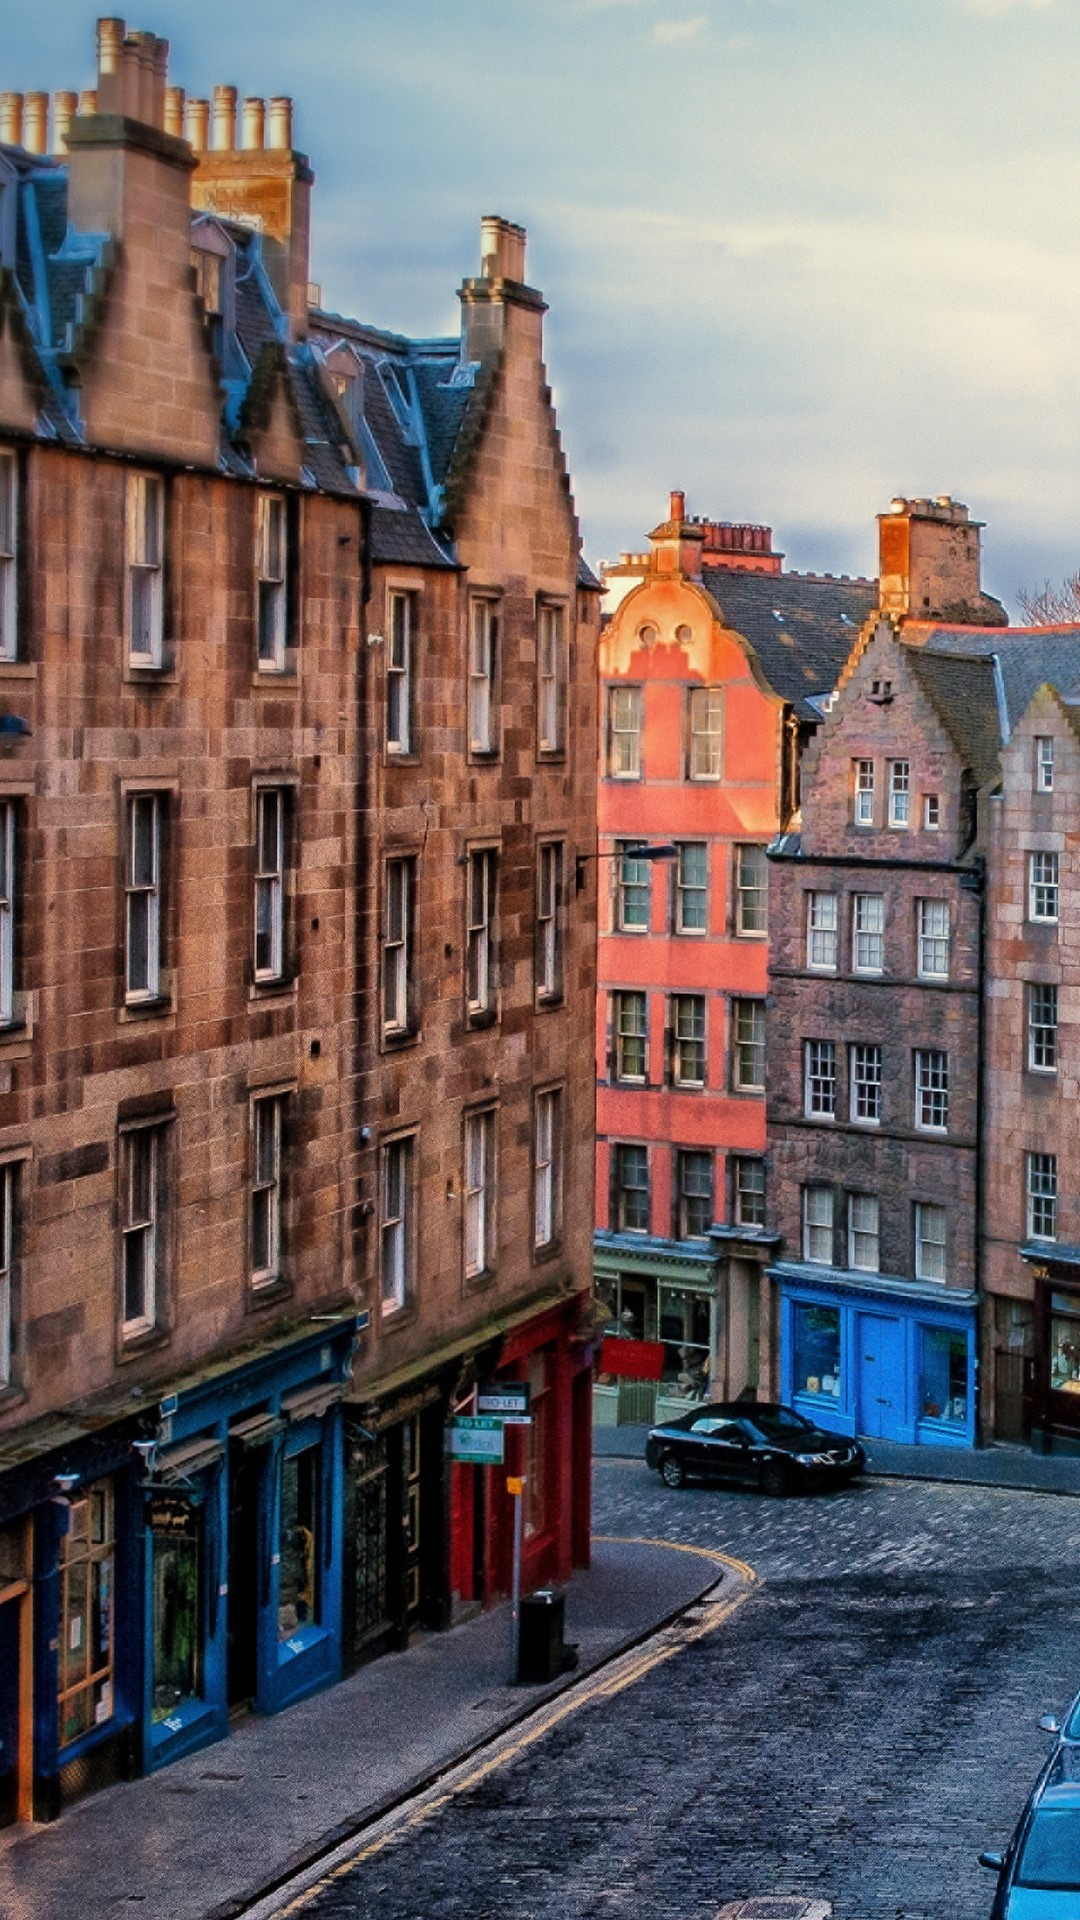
x=1055, y=1415
x=885, y=1360
x=395, y=1524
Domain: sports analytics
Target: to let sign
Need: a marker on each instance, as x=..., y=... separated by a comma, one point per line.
x=476, y=1442
x=507, y=1398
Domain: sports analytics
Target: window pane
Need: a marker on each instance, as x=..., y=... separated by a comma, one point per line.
x=944, y=1379
x=822, y=930
x=691, y=884
x=706, y=733
x=298, y=1570
x=177, y=1632
x=929, y=1243
x=817, y=1351
x=749, y=1193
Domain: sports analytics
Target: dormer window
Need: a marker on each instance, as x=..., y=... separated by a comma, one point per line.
x=349, y=388
x=212, y=261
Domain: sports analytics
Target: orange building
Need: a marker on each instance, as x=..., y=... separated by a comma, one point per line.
x=714, y=664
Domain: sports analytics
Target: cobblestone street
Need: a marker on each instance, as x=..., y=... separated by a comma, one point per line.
x=855, y=1733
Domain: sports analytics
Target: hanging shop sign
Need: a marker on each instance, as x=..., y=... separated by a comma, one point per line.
x=170, y=1513
x=476, y=1441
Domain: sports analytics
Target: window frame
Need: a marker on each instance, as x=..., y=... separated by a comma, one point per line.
x=621, y=885
x=684, y=1198
x=929, y=1097
x=620, y=1188
x=830, y=935
x=151, y=891
x=401, y=607
x=899, y=791
x=1044, y=892
x=862, y=792
x=931, y=813
x=144, y=561
x=827, y=1226
x=705, y=764
x=928, y=941
x=869, y=938
x=860, y=1084
x=145, y=1225
x=1042, y=1165
x=551, y=678
x=743, y=1046
x=10, y=1173
x=479, y=1198
x=271, y=582
x=857, y=1233
x=482, y=712
x=398, y=948
x=620, y=997
x=1036, y=1027
x=1044, y=763
x=922, y=1241
x=547, y=1168
x=481, y=935
x=688, y=1008
x=397, y=1230
x=270, y=884
x=268, y=1108
x=10, y=544
x=550, y=945
x=817, y=1082
x=745, y=891
x=740, y=1162
x=683, y=888
x=633, y=695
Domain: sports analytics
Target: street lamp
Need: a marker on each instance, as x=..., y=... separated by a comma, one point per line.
x=660, y=850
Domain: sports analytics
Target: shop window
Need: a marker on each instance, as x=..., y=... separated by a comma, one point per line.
x=932, y=1091
x=943, y=1381
x=538, y=1445
x=631, y=890
x=399, y=672
x=864, y=1073
x=691, y=887
x=630, y=1025
x=143, y=896
x=550, y=678
x=688, y=1040
x=684, y=1330
x=624, y=715
x=694, y=1196
x=748, y=1192
x=547, y=1169
x=748, y=1038
x=1064, y=1343
x=817, y=1225
x=271, y=807
x=298, y=1545
x=868, y=933
x=1042, y=1034
x=819, y=1101
x=822, y=932
x=271, y=583
x=1040, y=1180
x=397, y=1225
x=706, y=730
x=630, y=1181
x=483, y=658
x=549, y=922
x=863, y=789
x=751, y=890
x=145, y=557
x=480, y=1193
x=1043, y=886
x=817, y=1352
x=931, y=813
x=929, y=1242
x=397, y=957
x=480, y=948
x=176, y=1574
x=1044, y=764
x=87, y=1613
x=933, y=939
x=9, y=522
x=899, y=793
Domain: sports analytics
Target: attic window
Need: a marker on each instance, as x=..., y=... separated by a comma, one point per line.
x=777, y=615
x=847, y=619
x=881, y=693
x=208, y=281
x=349, y=389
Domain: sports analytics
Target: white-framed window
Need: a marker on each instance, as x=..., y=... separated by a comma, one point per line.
x=480, y=1192
x=868, y=933
x=145, y=558
x=899, y=793
x=688, y=1040
x=547, y=1169
x=822, y=932
x=143, y=890
x=632, y=890
x=550, y=676
x=932, y=917
x=864, y=1236
x=931, y=812
x=863, y=790
x=751, y=890
x=271, y=566
x=483, y=656
x=1042, y=1023
x=9, y=555
x=267, y=1131
x=692, y=887
x=7, y=1284
x=398, y=946
x=270, y=811
x=401, y=612
x=931, y=1090
x=480, y=988
x=929, y=1242
x=706, y=754
x=631, y=1200
x=864, y=1091
x=624, y=719
x=7, y=912
x=1044, y=764
x=817, y=1225
x=549, y=920
x=693, y=1193
x=1040, y=1182
x=1042, y=886
x=141, y=1228
x=748, y=1045
x=748, y=1191
x=630, y=1036
x=397, y=1226
x=819, y=1058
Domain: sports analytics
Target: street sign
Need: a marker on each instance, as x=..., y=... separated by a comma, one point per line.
x=510, y=1398
x=476, y=1442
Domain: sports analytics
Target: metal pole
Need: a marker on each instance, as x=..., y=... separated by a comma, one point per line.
x=515, y=1588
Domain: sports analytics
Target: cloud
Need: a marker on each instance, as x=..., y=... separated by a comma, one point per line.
x=995, y=9
x=672, y=33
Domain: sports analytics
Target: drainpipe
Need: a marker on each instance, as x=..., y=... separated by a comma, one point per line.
x=975, y=882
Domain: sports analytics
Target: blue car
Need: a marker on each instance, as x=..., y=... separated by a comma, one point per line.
x=1039, y=1872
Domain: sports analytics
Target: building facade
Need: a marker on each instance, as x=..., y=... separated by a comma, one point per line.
x=710, y=663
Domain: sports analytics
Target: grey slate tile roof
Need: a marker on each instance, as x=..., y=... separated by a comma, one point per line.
x=963, y=692
x=801, y=626
x=1027, y=657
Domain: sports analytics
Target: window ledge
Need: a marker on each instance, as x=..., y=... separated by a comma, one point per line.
x=550, y=1002
x=397, y=1317
x=131, y=1345
x=12, y=1396
x=273, y=993
x=274, y=679
x=267, y=1293
x=488, y=1017
x=484, y=756
x=155, y=1007
x=551, y=756
x=480, y=1282
x=403, y=757
x=18, y=670
x=397, y=1039
x=551, y=1250
x=136, y=674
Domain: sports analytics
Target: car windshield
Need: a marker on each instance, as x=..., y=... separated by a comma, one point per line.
x=1072, y=1724
x=779, y=1422
x=1051, y=1851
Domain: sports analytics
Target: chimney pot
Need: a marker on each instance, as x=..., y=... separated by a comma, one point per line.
x=110, y=42
x=678, y=507
x=502, y=249
x=36, y=122
x=174, y=112
x=280, y=135
x=11, y=119
x=65, y=106
x=224, y=119
x=254, y=125
x=198, y=125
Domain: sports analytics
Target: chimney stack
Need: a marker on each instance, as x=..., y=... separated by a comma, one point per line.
x=253, y=137
x=261, y=180
x=488, y=301
x=502, y=249
x=929, y=564
x=11, y=119
x=678, y=507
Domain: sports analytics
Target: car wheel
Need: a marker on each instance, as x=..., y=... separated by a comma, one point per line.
x=775, y=1479
x=672, y=1471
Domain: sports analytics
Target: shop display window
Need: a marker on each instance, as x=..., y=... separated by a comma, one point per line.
x=817, y=1351
x=1064, y=1343
x=298, y=1594
x=87, y=1585
x=943, y=1384
x=684, y=1329
x=175, y=1531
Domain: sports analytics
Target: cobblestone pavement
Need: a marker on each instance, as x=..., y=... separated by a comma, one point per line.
x=855, y=1733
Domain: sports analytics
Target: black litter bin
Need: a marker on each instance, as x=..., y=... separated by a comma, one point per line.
x=542, y=1652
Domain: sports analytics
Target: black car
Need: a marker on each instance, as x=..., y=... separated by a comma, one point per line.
x=770, y=1447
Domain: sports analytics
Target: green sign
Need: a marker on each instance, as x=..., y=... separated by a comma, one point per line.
x=476, y=1441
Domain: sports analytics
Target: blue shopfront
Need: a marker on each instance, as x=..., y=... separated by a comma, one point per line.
x=885, y=1359
x=243, y=1546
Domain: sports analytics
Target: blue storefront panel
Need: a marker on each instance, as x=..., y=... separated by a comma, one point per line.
x=885, y=1363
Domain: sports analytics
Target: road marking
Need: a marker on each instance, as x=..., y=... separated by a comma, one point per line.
x=700, y=1617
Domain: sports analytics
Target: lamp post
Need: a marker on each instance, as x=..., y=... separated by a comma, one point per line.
x=659, y=850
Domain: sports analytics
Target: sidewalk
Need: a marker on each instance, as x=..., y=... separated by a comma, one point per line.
x=203, y=1838
x=996, y=1466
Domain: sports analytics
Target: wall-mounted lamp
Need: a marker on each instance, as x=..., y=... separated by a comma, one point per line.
x=14, y=725
x=147, y=1452
x=65, y=1484
x=661, y=850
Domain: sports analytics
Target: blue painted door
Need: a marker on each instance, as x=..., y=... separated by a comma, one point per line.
x=881, y=1377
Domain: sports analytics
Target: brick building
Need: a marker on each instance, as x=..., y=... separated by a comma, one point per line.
x=276, y=1188
x=712, y=665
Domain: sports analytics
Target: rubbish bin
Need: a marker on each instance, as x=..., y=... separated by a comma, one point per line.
x=542, y=1654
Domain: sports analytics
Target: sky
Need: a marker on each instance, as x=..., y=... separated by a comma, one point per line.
x=800, y=255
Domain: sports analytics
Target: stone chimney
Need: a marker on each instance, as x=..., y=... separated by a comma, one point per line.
x=929, y=564
x=499, y=297
x=121, y=160
x=260, y=182
x=676, y=544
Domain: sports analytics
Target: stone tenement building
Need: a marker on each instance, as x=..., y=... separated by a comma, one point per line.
x=713, y=666
x=296, y=748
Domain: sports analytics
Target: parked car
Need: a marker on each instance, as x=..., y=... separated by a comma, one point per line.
x=1039, y=1872
x=1067, y=1730
x=770, y=1447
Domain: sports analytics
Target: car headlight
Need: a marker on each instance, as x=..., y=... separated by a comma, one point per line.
x=815, y=1459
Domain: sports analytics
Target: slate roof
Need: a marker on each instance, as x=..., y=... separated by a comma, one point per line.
x=963, y=691
x=801, y=626
x=1026, y=656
